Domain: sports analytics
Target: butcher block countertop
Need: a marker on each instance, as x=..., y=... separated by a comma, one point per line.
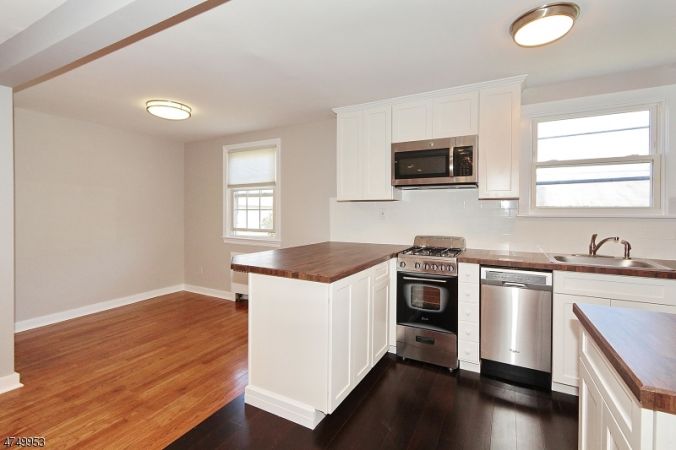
x=540, y=261
x=325, y=262
x=641, y=346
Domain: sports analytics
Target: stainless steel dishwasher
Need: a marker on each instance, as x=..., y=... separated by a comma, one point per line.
x=516, y=325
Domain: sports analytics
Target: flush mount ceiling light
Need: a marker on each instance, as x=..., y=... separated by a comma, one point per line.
x=167, y=109
x=545, y=24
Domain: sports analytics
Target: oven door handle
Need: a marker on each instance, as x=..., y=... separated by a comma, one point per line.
x=431, y=280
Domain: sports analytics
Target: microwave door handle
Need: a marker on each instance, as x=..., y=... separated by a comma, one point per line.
x=450, y=161
x=425, y=279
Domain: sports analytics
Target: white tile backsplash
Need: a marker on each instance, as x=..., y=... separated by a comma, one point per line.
x=492, y=224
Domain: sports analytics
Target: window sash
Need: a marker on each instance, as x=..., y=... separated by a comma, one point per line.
x=653, y=158
x=265, y=232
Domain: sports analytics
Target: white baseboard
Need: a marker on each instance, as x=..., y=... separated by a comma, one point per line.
x=281, y=406
x=225, y=295
x=49, y=319
x=558, y=387
x=465, y=365
x=10, y=382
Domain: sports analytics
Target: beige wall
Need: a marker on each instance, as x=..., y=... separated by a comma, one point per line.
x=99, y=214
x=6, y=235
x=308, y=181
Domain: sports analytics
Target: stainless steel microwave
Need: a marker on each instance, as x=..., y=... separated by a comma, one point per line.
x=447, y=162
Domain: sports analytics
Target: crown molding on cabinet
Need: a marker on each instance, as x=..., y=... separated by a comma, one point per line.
x=501, y=82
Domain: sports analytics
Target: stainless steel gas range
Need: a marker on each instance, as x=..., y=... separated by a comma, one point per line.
x=427, y=300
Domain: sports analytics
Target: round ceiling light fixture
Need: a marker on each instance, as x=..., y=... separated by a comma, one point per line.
x=168, y=109
x=544, y=24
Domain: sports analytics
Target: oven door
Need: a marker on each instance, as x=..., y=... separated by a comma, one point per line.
x=429, y=301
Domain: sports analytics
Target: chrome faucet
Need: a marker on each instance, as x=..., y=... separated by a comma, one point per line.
x=594, y=247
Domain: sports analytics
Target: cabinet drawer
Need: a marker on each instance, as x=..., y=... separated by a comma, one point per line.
x=468, y=292
x=468, y=273
x=617, y=287
x=468, y=312
x=468, y=331
x=468, y=351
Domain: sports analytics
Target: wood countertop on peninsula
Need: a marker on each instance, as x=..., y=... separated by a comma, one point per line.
x=641, y=346
x=540, y=261
x=324, y=262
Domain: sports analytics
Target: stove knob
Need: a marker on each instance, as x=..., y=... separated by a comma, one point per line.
x=426, y=267
x=402, y=264
x=417, y=265
x=451, y=268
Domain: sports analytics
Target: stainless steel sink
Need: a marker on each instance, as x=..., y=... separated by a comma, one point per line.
x=607, y=261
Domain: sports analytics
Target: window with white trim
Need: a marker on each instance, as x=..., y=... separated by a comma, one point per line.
x=606, y=161
x=251, y=191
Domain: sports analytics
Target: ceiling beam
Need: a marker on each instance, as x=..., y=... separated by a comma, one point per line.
x=80, y=31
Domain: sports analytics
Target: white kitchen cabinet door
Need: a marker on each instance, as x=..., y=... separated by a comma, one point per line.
x=455, y=115
x=411, y=121
x=591, y=413
x=340, y=382
x=349, y=168
x=499, y=122
x=377, y=154
x=566, y=337
x=611, y=435
x=360, y=327
x=364, y=166
x=379, y=318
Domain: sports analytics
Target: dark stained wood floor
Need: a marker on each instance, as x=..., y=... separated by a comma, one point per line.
x=406, y=405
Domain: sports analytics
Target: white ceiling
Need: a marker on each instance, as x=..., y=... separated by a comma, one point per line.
x=253, y=64
x=17, y=15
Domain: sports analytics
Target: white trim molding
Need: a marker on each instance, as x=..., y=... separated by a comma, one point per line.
x=49, y=319
x=10, y=382
x=431, y=94
x=278, y=405
x=225, y=295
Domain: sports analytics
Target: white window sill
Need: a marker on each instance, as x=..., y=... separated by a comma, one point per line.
x=252, y=241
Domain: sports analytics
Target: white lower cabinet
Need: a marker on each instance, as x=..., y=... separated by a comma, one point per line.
x=598, y=289
x=610, y=416
x=380, y=313
x=311, y=343
x=469, y=331
x=566, y=336
x=358, y=328
x=349, y=336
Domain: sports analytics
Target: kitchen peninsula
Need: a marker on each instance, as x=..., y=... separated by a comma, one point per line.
x=628, y=389
x=319, y=320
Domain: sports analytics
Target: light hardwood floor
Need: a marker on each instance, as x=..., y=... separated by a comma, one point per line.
x=137, y=376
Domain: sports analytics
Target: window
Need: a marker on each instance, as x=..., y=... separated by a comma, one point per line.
x=603, y=162
x=251, y=191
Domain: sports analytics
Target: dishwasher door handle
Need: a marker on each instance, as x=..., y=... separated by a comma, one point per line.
x=512, y=284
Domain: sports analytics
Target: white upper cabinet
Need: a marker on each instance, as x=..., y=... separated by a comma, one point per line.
x=436, y=117
x=411, y=121
x=499, y=121
x=349, y=156
x=366, y=133
x=364, y=155
x=455, y=115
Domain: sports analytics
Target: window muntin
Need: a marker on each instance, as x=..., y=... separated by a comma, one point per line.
x=599, y=161
x=251, y=179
